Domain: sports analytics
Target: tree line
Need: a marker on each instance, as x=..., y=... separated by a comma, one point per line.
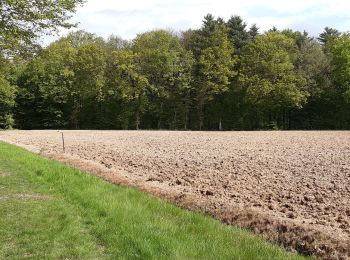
x=222, y=76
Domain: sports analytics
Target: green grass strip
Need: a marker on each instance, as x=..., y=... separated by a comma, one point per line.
x=52, y=211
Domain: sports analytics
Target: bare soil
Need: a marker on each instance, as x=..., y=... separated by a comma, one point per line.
x=293, y=188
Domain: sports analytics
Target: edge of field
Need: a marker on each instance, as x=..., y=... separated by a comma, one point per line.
x=50, y=210
x=294, y=237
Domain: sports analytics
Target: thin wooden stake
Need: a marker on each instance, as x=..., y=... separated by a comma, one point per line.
x=64, y=148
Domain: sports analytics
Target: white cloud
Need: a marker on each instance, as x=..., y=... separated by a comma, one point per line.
x=127, y=18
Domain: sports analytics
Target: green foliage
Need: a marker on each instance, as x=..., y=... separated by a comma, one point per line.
x=167, y=66
x=158, y=52
x=52, y=211
x=328, y=35
x=340, y=49
x=268, y=75
x=253, y=31
x=214, y=65
x=130, y=85
x=45, y=87
x=237, y=32
x=7, y=102
x=88, y=91
x=115, y=43
x=23, y=21
x=221, y=76
x=63, y=84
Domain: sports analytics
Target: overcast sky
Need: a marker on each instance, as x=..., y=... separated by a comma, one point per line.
x=127, y=18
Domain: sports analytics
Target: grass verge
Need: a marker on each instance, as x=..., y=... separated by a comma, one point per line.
x=52, y=211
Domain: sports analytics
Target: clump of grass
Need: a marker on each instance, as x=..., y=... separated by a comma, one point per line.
x=78, y=216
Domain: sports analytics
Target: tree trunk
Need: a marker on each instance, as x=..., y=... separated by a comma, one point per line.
x=175, y=119
x=160, y=116
x=289, y=119
x=75, y=115
x=137, y=121
x=200, y=113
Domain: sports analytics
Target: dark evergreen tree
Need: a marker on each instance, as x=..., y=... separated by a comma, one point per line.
x=237, y=32
x=328, y=34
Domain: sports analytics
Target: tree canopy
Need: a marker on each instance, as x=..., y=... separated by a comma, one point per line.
x=269, y=76
x=23, y=21
x=224, y=75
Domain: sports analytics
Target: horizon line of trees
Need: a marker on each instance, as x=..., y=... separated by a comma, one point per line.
x=222, y=76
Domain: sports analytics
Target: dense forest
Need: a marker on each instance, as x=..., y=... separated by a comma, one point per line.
x=222, y=76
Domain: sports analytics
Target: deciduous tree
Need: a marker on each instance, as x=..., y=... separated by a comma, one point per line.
x=167, y=66
x=130, y=85
x=214, y=63
x=268, y=74
x=23, y=21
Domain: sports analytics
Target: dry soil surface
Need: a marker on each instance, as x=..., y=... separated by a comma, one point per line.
x=291, y=187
